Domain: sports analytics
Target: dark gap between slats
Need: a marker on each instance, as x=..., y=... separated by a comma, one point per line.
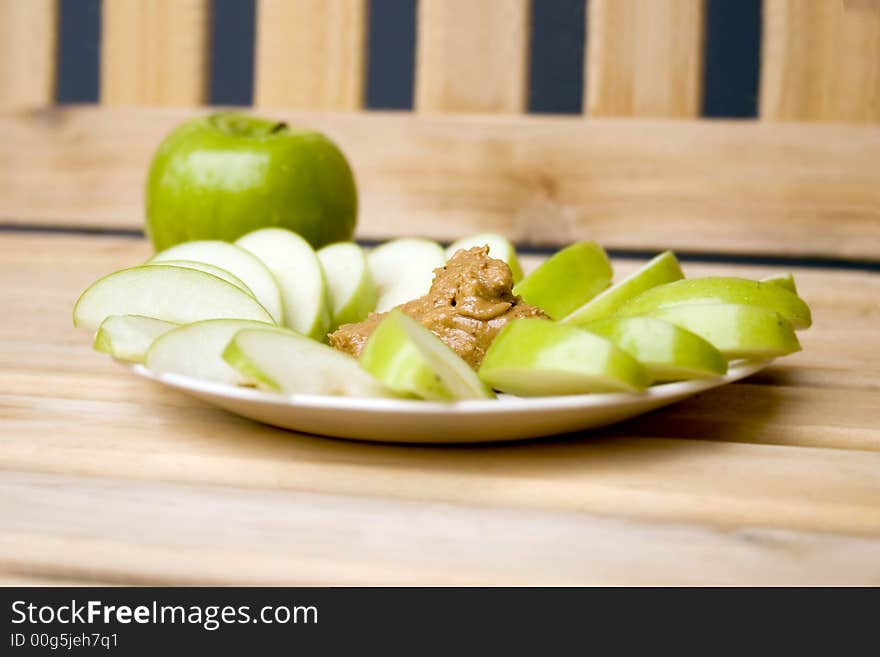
x=733, y=53
x=78, y=53
x=816, y=262
x=556, y=64
x=391, y=54
x=232, y=52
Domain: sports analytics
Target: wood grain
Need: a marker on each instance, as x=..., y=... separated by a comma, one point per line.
x=155, y=52
x=644, y=58
x=150, y=533
x=27, y=52
x=472, y=56
x=821, y=61
x=310, y=54
x=709, y=482
x=795, y=190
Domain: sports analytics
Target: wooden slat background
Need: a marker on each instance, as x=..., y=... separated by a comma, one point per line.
x=729, y=187
x=821, y=61
x=155, y=52
x=472, y=56
x=310, y=54
x=28, y=39
x=644, y=58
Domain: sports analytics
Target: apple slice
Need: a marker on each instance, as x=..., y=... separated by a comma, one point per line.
x=410, y=360
x=666, y=351
x=211, y=269
x=499, y=247
x=737, y=331
x=196, y=350
x=236, y=261
x=532, y=357
x=286, y=362
x=785, y=281
x=664, y=268
x=403, y=270
x=349, y=283
x=567, y=280
x=172, y=294
x=300, y=278
x=128, y=337
x=720, y=289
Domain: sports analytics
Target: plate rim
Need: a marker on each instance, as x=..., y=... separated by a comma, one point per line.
x=504, y=404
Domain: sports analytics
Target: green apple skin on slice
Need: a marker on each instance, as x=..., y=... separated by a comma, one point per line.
x=410, y=360
x=499, y=248
x=666, y=351
x=172, y=294
x=567, y=280
x=128, y=337
x=214, y=271
x=300, y=278
x=286, y=362
x=785, y=281
x=721, y=289
x=196, y=350
x=664, y=268
x=350, y=285
x=403, y=270
x=235, y=260
x=534, y=357
x=737, y=331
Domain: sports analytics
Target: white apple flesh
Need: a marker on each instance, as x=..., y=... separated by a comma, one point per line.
x=403, y=270
x=128, y=337
x=172, y=294
x=664, y=268
x=534, y=357
x=349, y=283
x=410, y=360
x=196, y=350
x=296, y=268
x=785, y=281
x=236, y=261
x=211, y=269
x=285, y=362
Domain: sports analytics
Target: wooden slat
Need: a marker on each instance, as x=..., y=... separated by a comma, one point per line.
x=310, y=54
x=644, y=58
x=27, y=52
x=155, y=52
x=46, y=578
x=795, y=189
x=152, y=533
x=821, y=61
x=472, y=56
x=664, y=479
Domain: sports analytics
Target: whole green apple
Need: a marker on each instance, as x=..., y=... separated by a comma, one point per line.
x=225, y=175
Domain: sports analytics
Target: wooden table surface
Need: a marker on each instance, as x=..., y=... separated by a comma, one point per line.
x=107, y=478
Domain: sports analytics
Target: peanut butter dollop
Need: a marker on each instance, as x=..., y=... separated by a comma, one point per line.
x=469, y=302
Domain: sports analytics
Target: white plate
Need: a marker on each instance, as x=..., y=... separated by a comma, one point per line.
x=412, y=421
